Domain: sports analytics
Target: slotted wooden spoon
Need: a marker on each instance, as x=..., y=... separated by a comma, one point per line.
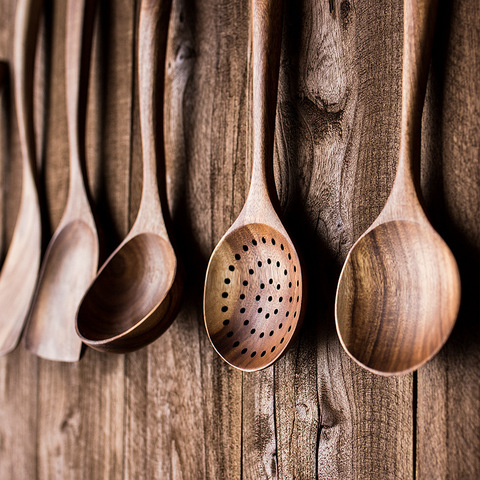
x=253, y=287
x=20, y=269
x=399, y=291
x=136, y=293
x=71, y=259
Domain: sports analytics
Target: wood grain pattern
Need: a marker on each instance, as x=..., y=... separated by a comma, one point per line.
x=144, y=266
x=71, y=259
x=20, y=268
x=399, y=291
x=177, y=410
x=253, y=294
x=448, y=389
x=65, y=437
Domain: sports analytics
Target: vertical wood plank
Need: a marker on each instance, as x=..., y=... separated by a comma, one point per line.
x=18, y=370
x=448, y=419
x=339, y=107
x=215, y=146
x=81, y=406
x=18, y=415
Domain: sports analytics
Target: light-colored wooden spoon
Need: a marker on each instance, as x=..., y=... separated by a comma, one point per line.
x=136, y=294
x=399, y=291
x=71, y=259
x=253, y=288
x=20, y=269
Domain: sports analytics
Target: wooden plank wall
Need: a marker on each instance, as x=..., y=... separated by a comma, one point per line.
x=174, y=409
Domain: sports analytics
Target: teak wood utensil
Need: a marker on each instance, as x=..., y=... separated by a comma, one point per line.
x=20, y=269
x=399, y=291
x=253, y=287
x=136, y=294
x=71, y=259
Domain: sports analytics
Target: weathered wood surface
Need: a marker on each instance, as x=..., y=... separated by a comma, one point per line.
x=175, y=409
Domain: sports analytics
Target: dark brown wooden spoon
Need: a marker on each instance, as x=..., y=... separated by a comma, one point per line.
x=71, y=259
x=399, y=291
x=20, y=268
x=253, y=288
x=136, y=293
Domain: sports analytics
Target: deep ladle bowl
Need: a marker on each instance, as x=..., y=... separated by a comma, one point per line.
x=136, y=293
x=399, y=291
x=133, y=297
x=406, y=297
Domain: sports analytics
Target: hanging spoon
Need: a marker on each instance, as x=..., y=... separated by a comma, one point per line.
x=71, y=259
x=399, y=291
x=20, y=268
x=135, y=295
x=253, y=287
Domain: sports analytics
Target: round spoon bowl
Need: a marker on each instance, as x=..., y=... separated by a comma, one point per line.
x=73, y=249
x=130, y=303
x=397, y=298
x=253, y=296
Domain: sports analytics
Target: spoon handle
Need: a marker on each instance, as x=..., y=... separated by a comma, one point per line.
x=79, y=34
x=419, y=26
x=27, y=20
x=266, y=21
x=152, y=43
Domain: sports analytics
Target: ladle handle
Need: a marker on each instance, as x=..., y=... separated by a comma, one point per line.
x=266, y=21
x=152, y=43
x=79, y=34
x=419, y=26
x=27, y=19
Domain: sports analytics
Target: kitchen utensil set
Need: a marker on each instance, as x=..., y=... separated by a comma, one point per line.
x=399, y=290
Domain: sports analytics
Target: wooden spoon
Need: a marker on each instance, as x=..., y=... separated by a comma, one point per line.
x=71, y=259
x=136, y=294
x=399, y=291
x=20, y=269
x=253, y=287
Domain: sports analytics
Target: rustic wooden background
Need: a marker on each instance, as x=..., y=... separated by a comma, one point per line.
x=174, y=409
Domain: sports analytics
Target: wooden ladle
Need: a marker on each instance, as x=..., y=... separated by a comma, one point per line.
x=399, y=291
x=253, y=287
x=136, y=294
x=20, y=269
x=71, y=259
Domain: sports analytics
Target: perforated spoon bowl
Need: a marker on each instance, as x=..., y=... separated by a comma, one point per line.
x=253, y=287
x=399, y=291
x=135, y=296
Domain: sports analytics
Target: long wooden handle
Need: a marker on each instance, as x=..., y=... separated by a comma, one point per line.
x=25, y=34
x=266, y=42
x=152, y=42
x=419, y=26
x=79, y=34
